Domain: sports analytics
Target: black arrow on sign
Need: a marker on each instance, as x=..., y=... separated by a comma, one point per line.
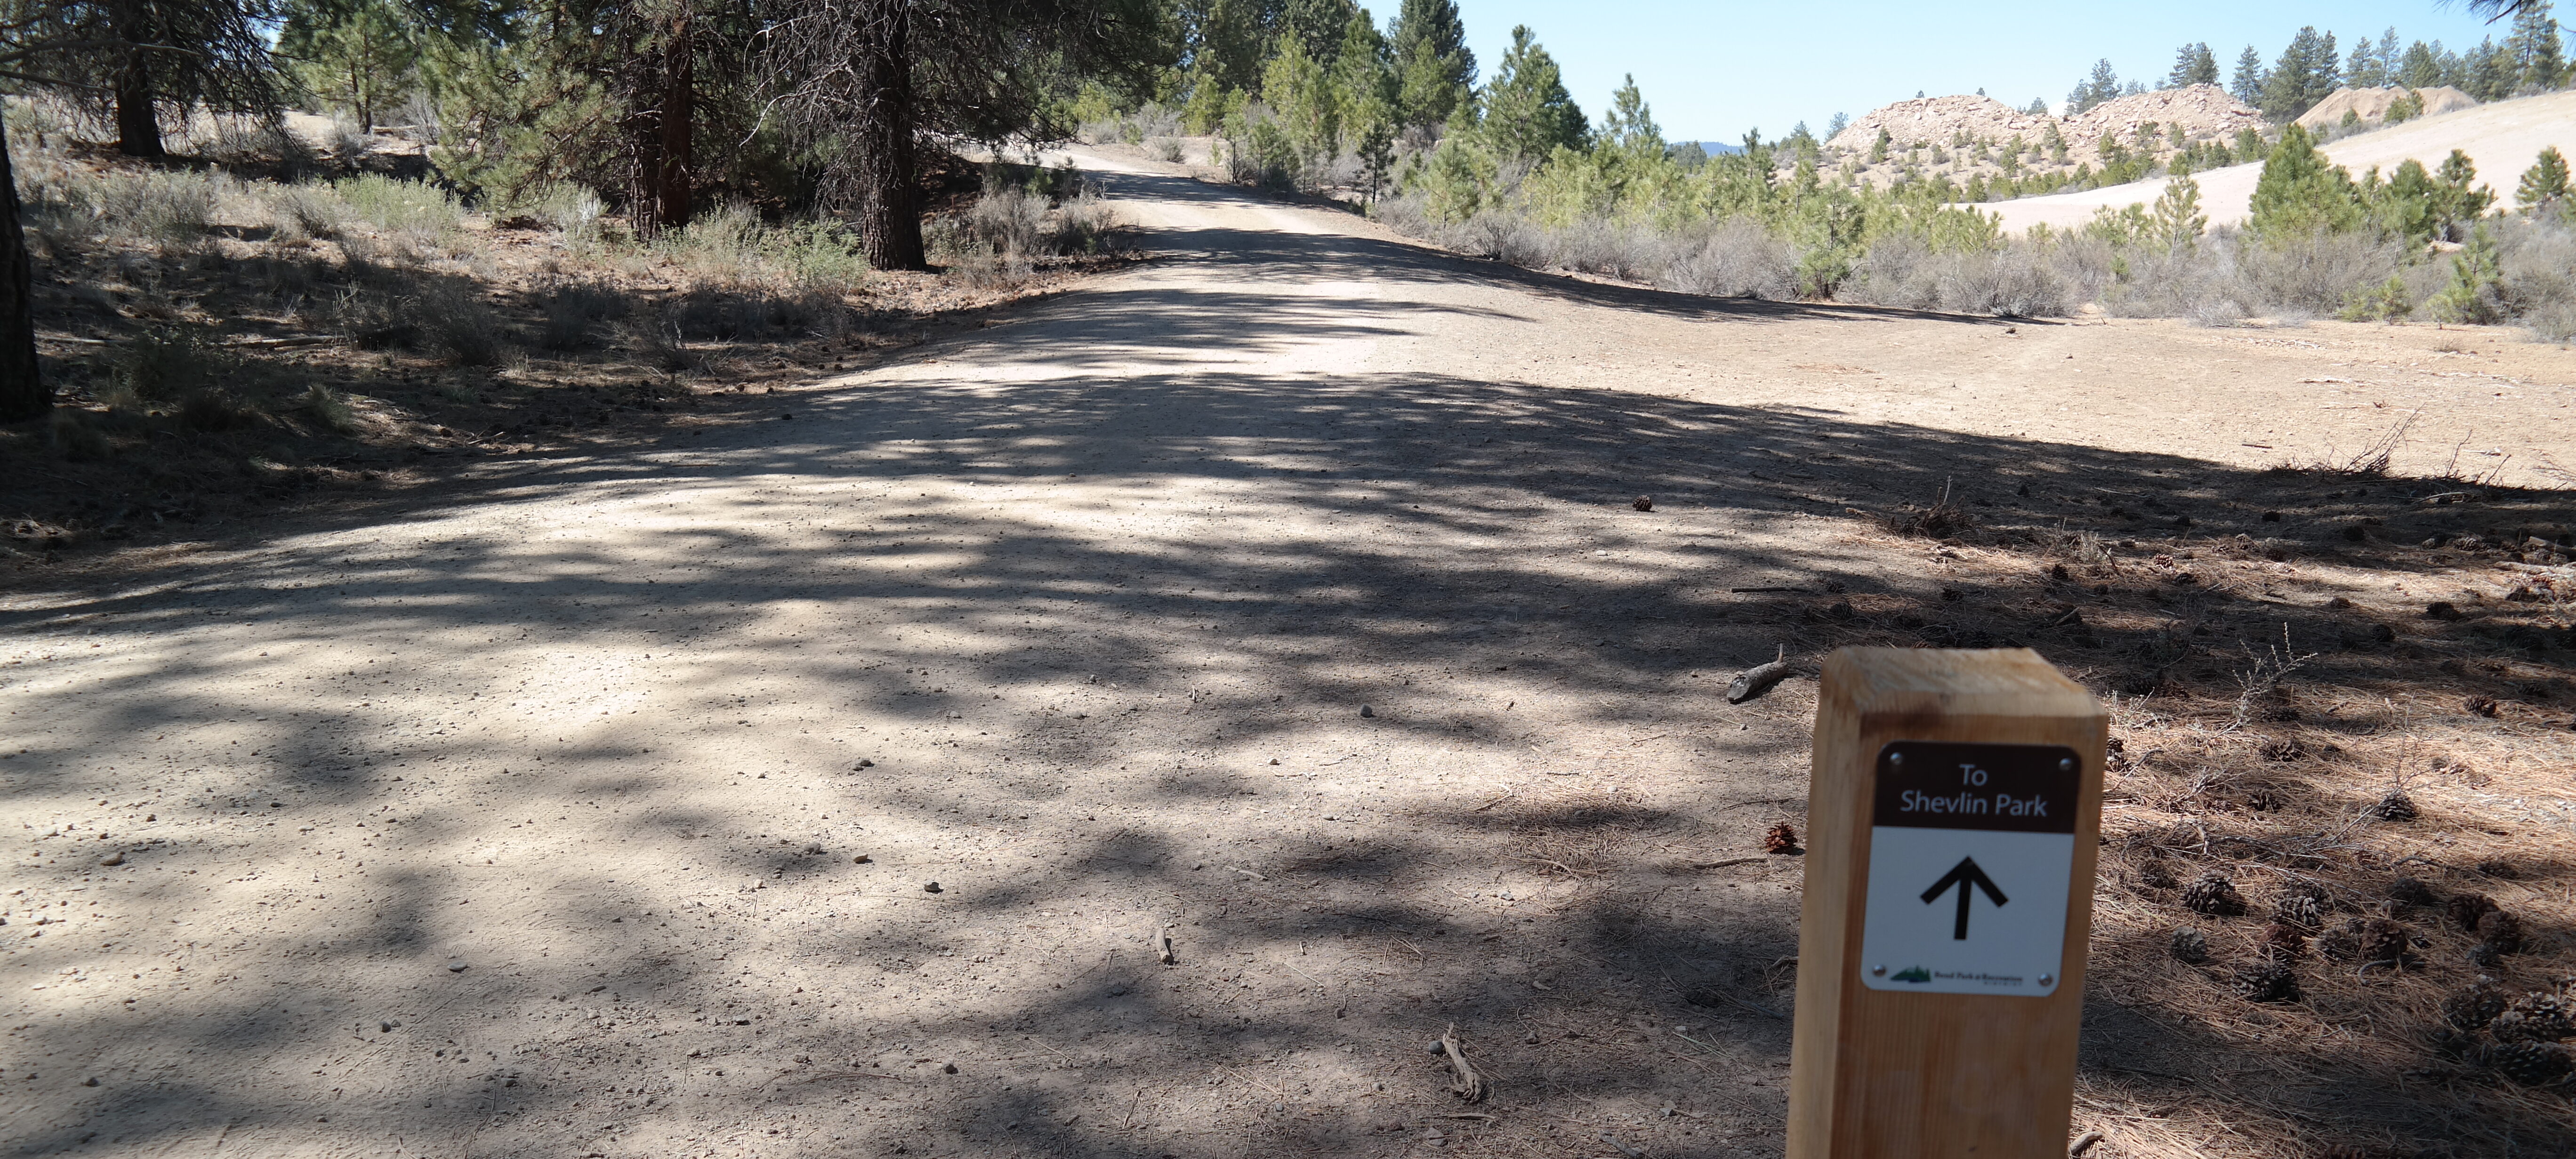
x=1968, y=878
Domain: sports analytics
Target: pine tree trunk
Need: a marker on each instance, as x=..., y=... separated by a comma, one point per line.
x=888, y=188
x=138, y=122
x=679, y=109
x=23, y=393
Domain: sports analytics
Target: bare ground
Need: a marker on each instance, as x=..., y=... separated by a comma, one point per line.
x=593, y=803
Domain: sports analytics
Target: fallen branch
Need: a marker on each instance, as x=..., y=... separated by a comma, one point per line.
x=1727, y=862
x=1163, y=947
x=1752, y=681
x=1470, y=1085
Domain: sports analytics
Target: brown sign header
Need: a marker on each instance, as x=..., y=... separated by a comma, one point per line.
x=2012, y=788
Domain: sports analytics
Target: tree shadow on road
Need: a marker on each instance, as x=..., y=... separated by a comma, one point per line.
x=1510, y=545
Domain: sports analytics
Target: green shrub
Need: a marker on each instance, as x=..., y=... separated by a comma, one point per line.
x=2477, y=276
x=2386, y=302
x=413, y=207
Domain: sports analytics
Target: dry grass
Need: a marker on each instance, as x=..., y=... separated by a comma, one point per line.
x=223, y=345
x=2273, y=694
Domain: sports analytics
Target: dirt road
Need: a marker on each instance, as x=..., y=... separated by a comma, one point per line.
x=820, y=786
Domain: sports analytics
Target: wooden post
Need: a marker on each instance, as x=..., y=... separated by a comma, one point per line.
x=1953, y=815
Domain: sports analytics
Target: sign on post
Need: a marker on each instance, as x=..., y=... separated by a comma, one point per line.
x=1953, y=815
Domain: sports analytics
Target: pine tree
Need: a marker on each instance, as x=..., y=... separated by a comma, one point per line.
x=361, y=54
x=2178, y=221
x=2363, y=70
x=2247, y=85
x=1435, y=68
x=2492, y=72
x=2537, y=59
x=2099, y=86
x=2299, y=194
x=863, y=83
x=2457, y=199
x=2422, y=67
x=2544, y=185
x=1526, y=112
x=1317, y=25
x=2193, y=65
x=2038, y=107
x=2305, y=74
x=1834, y=128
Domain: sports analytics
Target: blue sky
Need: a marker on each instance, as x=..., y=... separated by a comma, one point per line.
x=1713, y=70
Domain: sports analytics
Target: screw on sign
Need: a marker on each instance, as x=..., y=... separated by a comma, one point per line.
x=1952, y=819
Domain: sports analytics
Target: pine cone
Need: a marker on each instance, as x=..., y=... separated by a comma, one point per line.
x=1783, y=838
x=2465, y=909
x=2485, y=957
x=2530, y=1063
x=2283, y=943
x=2159, y=873
x=2535, y=1017
x=2342, y=943
x=2268, y=982
x=2473, y=1008
x=2501, y=930
x=2383, y=941
x=2189, y=946
x=2303, y=907
x=2412, y=891
x=2394, y=805
x=2214, y=895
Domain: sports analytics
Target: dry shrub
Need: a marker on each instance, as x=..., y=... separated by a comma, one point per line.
x=1083, y=225
x=2538, y=261
x=573, y=312
x=1009, y=221
x=1740, y=260
x=719, y=314
x=171, y=210
x=71, y=434
x=2316, y=275
x=453, y=320
x=303, y=212
x=162, y=365
x=2017, y=279
x=329, y=409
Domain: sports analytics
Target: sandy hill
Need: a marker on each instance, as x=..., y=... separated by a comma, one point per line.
x=2205, y=112
x=2371, y=105
x=2502, y=138
x=1937, y=120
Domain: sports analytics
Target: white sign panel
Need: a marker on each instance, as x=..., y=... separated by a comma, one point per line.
x=1971, y=857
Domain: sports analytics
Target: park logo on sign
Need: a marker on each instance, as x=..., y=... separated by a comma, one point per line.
x=1971, y=854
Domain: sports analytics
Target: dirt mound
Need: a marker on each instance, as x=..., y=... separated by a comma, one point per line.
x=1937, y=120
x=2204, y=111
x=2372, y=104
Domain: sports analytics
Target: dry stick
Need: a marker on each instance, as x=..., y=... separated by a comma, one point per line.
x=1163, y=946
x=1470, y=1085
x=1750, y=682
x=1727, y=862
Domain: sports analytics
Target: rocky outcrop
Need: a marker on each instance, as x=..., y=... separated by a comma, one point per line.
x=1939, y=120
x=2205, y=112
